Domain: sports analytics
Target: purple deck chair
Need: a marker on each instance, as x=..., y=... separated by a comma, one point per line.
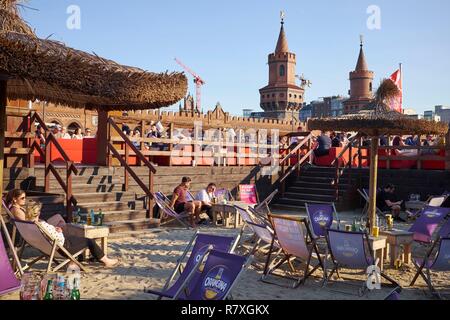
x=203, y=244
x=220, y=274
x=394, y=295
x=8, y=280
x=321, y=217
x=292, y=234
x=189, y=196
x=444, y=232
x=223, y=193
x=162, y=197
x=168, y=211
x=429, y=220
x=440, y=263
x=348, y=250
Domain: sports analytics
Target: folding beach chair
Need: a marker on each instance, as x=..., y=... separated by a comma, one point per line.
x=263, y=208
x=162, y=197
x=40, y=239
x=10, y=239
x=394, y=295
x=189, y=196
x=427, y=223
x=292, y=234
x=199, y=246
x=167, y=211
x=441, y=263
x=321, y=218
x=444, y=232
x=8, y=280
x=264, y=233
x=437, y=201
x=348, y=250
x=365, y=195
x=223, y=194
x=218, y=278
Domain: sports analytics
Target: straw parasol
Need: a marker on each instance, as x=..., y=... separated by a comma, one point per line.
x=33, y=68
x=375, y=120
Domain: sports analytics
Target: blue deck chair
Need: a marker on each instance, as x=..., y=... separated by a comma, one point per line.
x=219, y=276
x=348, y=250
x=321, y=218
x=441, y=263
x=199, y=246
x=8, y=281
x=444, y=232
x=169, y=212
x=292, y=234
x=427, y=223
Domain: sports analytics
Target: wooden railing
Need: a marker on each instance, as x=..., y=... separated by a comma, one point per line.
x=354, y=140
x=49, y=166
x=295, y=151
x=124, y=161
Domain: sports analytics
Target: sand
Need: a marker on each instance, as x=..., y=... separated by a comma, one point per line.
x=147, y=260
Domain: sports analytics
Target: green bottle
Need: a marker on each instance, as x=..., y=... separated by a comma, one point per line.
x=354, y=226
x=49, y=292
x=75, y=293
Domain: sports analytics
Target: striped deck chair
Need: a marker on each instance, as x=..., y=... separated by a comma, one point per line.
x=8, y=279
x=292, y=234
x=199, y=246
x=220, y=274
x=167, y=211
x=439, y=263
x=41, y=240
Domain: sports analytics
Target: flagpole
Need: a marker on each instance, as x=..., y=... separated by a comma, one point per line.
x=401, y=77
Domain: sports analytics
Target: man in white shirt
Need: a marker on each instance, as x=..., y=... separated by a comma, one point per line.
x=206, y=196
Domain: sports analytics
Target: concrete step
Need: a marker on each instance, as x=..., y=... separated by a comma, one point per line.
x=132, y=225
x=300, y=203
x=308, y=190
x=124, y=215
x=88, y=188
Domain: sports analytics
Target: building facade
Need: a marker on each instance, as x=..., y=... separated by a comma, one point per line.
x=361, y=85
x=443, y=113
x=282, y=93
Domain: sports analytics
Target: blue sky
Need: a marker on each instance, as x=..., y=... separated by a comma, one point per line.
x=227, y=42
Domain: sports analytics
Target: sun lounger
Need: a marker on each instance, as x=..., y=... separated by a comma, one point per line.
x=217, y=280
x=440, y=263
x=199, y=247
x=292, y=234
x=169, y=212
x=8, y=280
x=41, y=240
x=321, y=218
x=348, y=250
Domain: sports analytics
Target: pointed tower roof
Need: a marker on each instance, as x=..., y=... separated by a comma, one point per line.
x=282, y=45
x=362, y=63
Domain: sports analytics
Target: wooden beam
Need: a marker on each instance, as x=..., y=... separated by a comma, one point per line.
x=373, y=182
x=3, y=103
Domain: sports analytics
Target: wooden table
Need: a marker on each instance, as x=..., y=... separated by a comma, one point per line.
x=396, y=239
x=230, y=216
x=415, y=205
x=89, y=232
x=379, y=246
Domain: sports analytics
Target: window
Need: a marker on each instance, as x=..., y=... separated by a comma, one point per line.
x=290, y=95
x=273, y=95
x=281, y=95
x=295, y=96
x=282, y=71
x=370, y=87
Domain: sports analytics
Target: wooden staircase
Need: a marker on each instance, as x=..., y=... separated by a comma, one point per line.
x=315, y=185
x=98, y=188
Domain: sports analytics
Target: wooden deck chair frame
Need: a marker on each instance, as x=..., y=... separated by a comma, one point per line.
x=365, y=196
x=427, y=277
x=56, y=248
x=164, y=216
x=265, y=205
x=336, y=266
x=287, y=258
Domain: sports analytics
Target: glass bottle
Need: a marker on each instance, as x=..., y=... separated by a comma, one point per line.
x=49, y=292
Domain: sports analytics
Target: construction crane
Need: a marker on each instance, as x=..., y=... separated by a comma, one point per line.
x=198, y=83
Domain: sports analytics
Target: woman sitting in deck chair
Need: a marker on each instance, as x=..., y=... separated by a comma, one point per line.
x=55, y=226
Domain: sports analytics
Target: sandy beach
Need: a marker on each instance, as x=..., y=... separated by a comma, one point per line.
x=148, y=259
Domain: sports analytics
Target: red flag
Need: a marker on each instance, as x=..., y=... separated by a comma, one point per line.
x=396, y=103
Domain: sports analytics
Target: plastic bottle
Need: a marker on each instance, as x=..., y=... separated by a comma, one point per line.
x=60, y=292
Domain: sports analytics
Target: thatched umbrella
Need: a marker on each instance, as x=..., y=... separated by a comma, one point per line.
x=377, y=120
x=33, y=68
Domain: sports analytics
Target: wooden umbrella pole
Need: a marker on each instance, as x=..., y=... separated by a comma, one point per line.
x=3, y=103
x=373, y=182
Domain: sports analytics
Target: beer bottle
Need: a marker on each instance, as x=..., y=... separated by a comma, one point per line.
x=100, y=217
x=89, y=218
x=49, y=292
